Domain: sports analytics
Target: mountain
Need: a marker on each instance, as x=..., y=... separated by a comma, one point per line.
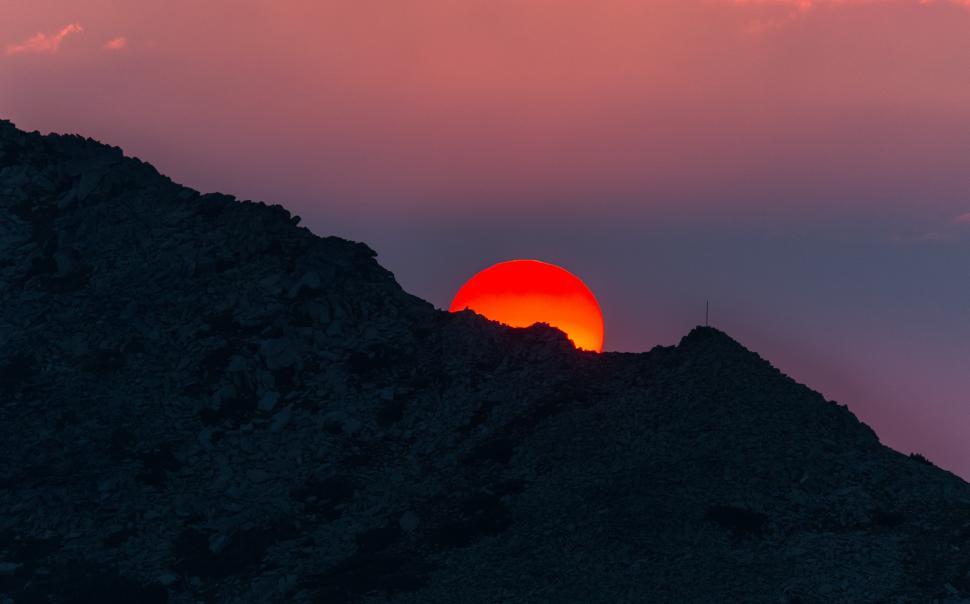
x=201, y=401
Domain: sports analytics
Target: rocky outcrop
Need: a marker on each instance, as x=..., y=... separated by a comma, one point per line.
x=202, y=401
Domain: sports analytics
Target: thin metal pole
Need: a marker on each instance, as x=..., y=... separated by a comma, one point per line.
x=707, y=314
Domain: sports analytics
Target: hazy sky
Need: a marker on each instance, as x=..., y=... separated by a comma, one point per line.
x=804, y=164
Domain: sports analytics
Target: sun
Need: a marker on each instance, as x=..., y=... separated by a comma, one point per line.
x=521, y=293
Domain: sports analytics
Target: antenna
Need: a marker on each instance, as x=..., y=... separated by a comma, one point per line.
x=707, y=314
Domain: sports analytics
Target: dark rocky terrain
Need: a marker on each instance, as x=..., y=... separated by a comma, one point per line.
x=202, y=402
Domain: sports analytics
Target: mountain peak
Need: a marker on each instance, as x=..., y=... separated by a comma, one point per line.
x=201, y=400
x=705, y=335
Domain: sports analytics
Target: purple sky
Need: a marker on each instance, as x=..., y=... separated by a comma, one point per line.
x=803, y=164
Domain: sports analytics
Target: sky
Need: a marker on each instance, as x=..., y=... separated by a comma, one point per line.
x=804, y=165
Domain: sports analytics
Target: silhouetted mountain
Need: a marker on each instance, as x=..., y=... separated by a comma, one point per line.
x=202, y=402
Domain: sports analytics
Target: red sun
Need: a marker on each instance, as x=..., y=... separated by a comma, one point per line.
x=521, y=293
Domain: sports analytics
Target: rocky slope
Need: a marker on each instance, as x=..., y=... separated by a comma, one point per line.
x=202, y=402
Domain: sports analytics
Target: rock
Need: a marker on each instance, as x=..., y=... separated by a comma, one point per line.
x=8, y=568
x=268, y=401
x=258, y=475
x=236, y=364
x=281, y=419
x=204, y=438
x=217, y=543
x=409, y=522
x=335, y=328
x=286, y=583
x=270, y=283
x=225, y=392
x=279, y=353
x=339, y=421
x=309, y=283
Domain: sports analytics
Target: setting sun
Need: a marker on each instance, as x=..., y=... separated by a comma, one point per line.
x=520, y=293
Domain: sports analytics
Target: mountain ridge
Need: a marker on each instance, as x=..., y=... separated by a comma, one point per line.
x=202, y=401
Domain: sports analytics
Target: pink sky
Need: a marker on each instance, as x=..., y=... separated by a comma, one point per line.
x=515, y=100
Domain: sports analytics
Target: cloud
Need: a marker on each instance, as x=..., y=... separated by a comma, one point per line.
x=962, y=219
x=936, y=236
x=798, y=9
x=115, y=43
x=42, y=43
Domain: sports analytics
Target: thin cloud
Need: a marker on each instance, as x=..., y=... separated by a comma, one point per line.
x=115, y=44
x=962, y=219
x=42, y=43
x=936, y=236
x=801, y=8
